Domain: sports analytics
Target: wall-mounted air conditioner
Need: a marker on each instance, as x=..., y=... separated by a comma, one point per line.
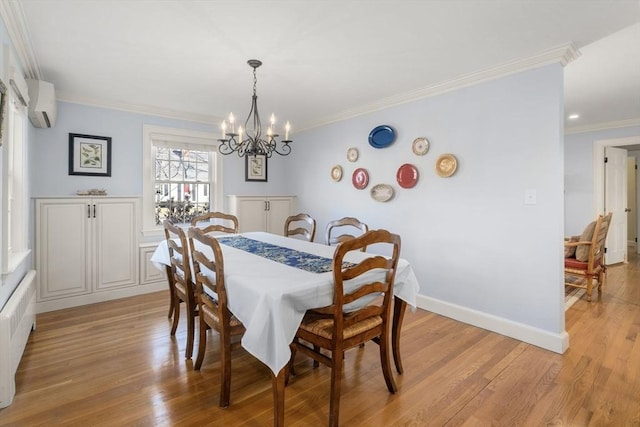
x=42, y=107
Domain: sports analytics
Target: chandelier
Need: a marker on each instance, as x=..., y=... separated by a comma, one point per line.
x=251, y=141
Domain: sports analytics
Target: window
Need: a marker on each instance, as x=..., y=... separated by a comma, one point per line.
x=183, y=176
x=14, y=191
x=182, y=184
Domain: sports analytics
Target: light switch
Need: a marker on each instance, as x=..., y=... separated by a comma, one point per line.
x=530, y=197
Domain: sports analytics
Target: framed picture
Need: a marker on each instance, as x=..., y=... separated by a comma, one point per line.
x=3, y=107
x=89, y=155
x=255, y=168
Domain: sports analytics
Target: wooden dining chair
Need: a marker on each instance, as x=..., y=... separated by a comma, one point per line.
x=341, y=230
x=336, y=330
x=211, y=294
x=216, y=221
x=180, y=279
x=584, y=263
x=300, y=225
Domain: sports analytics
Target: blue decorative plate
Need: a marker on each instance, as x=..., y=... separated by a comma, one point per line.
x=382, y=136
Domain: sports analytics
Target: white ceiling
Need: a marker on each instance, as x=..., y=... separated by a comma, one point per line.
x=323, y=60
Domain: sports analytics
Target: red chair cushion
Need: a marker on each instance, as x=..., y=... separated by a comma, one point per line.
x=575, y=264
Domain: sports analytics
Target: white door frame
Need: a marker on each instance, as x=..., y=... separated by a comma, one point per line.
x=598, y=166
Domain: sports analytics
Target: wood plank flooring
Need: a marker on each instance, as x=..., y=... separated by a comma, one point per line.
x=114, y=364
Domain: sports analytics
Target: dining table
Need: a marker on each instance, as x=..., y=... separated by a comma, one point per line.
x=272, y=280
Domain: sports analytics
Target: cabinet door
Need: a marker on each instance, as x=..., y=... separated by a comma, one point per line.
x=63, y=251
x=251, y=213
x=279, y=209
x=116, y=242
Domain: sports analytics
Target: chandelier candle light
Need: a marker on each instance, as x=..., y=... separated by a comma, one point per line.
x=254, y=143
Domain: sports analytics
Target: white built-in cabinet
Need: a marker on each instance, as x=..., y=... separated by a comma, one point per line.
x=262, y=213
x=86, y=247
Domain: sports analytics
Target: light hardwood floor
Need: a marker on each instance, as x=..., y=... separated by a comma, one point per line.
x=114, y=364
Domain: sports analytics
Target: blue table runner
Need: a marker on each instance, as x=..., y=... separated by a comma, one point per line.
x=291, y=257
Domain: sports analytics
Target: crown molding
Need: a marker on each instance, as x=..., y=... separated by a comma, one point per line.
x=562, y=54
x=142, y=109
x=15, y=22
x=602, y=126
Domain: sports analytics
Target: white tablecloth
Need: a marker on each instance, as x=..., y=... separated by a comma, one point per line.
x=271, y=298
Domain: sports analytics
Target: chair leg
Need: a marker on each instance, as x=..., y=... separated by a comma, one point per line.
x=336, y=377
x=399, y=308
x=171, y=292
x=176, y=314
x=602, y=277
x=191, y=327
x=385, y=362
x=225, y=369
x=589, y=288
x=315, y=362
x=202, y=344
x=292, y=369
x=171, y=308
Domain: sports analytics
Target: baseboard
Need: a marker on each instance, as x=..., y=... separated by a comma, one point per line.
x=68, y=302
x=558, y=343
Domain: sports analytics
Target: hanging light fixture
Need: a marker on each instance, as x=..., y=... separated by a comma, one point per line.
x=250, y=141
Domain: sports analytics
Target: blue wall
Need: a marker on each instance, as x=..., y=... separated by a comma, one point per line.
x=480, y=254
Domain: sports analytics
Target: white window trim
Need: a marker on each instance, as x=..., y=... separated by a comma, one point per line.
x=181, y=136
x=14, y=162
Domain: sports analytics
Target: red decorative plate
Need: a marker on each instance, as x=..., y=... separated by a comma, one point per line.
x=407, y=175
x=360, y=178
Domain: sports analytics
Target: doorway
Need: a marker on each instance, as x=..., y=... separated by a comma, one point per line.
x=628, y=143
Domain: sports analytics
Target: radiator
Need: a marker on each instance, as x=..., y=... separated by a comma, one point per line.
x=17, y=319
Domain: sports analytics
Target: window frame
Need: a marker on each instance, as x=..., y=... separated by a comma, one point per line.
x=179, y=138
x=15, y=243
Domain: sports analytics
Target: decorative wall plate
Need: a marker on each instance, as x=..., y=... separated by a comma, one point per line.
x=336, y=173
x=382, y=192
x=352, y=154
x=420, y=146
x=360, y=178
x=382, y=136
x=407, y=175
x=446, y=165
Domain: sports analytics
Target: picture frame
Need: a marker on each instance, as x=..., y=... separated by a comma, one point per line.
x=255, y=168
x=3, y=108
x=89, y=155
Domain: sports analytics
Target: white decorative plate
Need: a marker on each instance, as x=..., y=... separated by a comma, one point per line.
x=446, y=165
x=352, y=154
x=382, y=192
x=420, y=146
x=336, y=173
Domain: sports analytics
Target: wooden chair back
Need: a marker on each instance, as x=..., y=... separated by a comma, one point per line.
x=180, y=279
x=216, y=221
x=340, y=230
x=356, y=315
x=596, y=254
x=211, y=294
x=300, y=225
x=583, y=274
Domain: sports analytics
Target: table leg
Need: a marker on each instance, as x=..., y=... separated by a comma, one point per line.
x=399, y=308
x=278, y=397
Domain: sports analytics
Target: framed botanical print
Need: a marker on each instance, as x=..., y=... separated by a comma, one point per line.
x=89, y=155
x=255, y=168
